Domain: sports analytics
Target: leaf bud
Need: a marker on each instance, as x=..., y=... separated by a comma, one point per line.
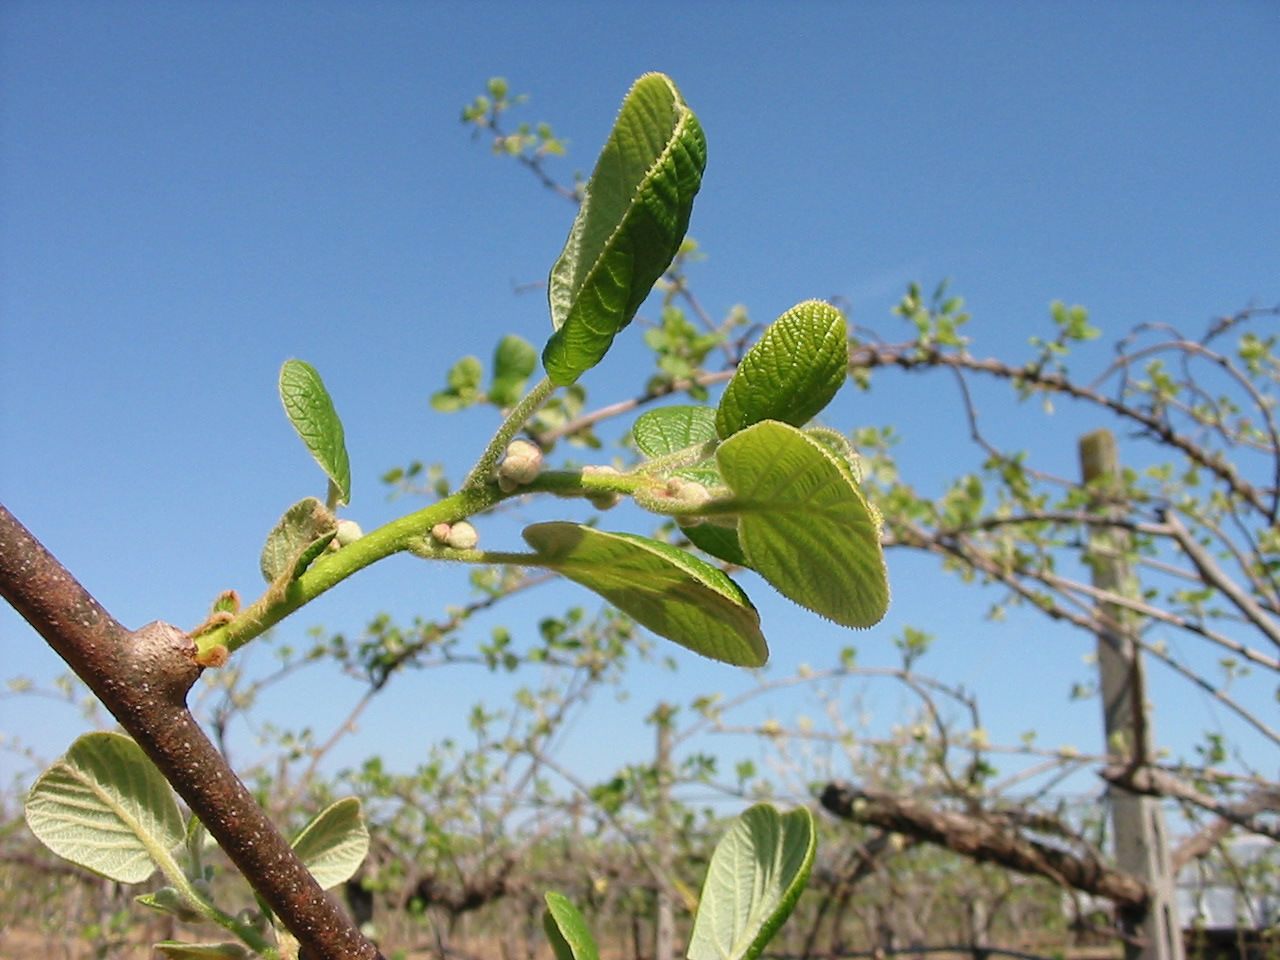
x=253, y=918
x=521, y=464
x=215, y=657
x=462, y=536
x=169, y=900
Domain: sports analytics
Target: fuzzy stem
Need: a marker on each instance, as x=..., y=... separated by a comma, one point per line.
x=482, y=472
x=332, y=568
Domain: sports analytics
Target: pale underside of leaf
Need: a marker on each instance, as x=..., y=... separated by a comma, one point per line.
x=756, y=875
x=107, y=808
x=334, y=843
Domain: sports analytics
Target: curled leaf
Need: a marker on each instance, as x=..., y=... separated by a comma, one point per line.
x=634, y=213
x=792, y=372
x=297, y=539
x=665, y=589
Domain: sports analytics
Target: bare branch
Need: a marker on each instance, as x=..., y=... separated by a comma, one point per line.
x=983, y=839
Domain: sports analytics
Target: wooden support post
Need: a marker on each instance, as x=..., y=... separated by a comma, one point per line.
x=664, y=940
x=1141, y=843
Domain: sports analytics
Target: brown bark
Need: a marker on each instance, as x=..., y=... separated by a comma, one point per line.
x=984, y=839
x=142, y=677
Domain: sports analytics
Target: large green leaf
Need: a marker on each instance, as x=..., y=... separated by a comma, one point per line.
x=663, y=588
x=634, y=213
x=791, y=373
x=311, y=411
x=296, y=540
x=804, y=524
x=334, y=843
x=756, y=875
x=566, y=930
x=107, y=808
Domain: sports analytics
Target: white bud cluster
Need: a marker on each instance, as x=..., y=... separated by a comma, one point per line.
x=687, y=491
x=521, y=464
x=460, y=535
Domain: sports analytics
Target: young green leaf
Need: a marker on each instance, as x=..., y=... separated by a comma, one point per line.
x=791, y=373
x=107, y=808
x=311, y=411
x=334, y=843
x=514, y=361
x=665, y=430
x=566, y=930
x=756, y=875
x=665, y=589
x=804, y=524
x=668, y=430
x=463, y=386
x=297, y=539
x=634, y=213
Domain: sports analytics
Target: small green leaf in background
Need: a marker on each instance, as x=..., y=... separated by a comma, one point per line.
x=791, y=373
x=463, y=387
x=756, y=875
x=634, y=213
x=804, y=524
x=107, y=808
x=311, y=411
x=514, y=361
x=203, y=951
x=297, y=539
x=566, y=930
x=663, y=588
x=334, y=843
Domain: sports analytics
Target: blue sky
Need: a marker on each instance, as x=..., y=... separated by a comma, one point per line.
x=190, y=193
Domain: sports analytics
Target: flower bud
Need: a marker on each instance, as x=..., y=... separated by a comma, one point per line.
x=440, y=532
x=520, y=465
x=348, y=532
x=463, y=536
x=687, y=491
